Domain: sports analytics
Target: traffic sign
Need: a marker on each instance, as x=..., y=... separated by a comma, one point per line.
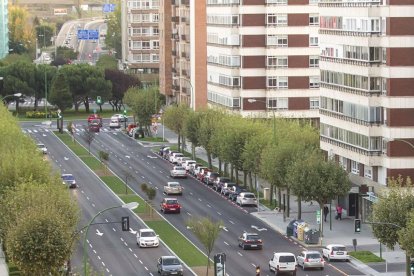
x=93, y=34
x=108, y=7
x=318, y=216
x=82, y=34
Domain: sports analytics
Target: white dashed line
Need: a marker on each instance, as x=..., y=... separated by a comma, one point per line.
x=188, y=214
x=231, y=222
x=87, y=197
x=103, y=264
x=107, y=270
x=253, y=265
x=125, y=244
x=199, y=199
x=226, y=243
x=99, y=257
x=130, y=249
x=239, y=253
x=114, y=229
x=106, y=220
x=94, y=251
x=208, y=206
x=140, y=261
x=135, y=255
x=90, y=245
x=219, y=213
x=93, y=205
x=122, y=239
x=146, y=268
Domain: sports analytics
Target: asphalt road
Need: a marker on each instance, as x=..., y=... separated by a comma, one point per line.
x=199, y=200
x=109, y=250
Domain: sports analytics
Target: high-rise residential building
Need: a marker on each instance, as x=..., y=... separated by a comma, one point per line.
x=183, y=52
x=263, y=56
x=140, y=38
x=4, y=29
x=367, y=96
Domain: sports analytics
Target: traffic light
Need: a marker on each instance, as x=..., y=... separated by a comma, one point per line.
x=357, y=225
x=98, y=100
x=125, y=223
x=258, y=270
x=125, y=112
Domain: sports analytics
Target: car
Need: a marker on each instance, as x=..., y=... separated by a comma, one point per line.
x=310, y=259
x=147, y=238
x=94, y=125
x=226, y=189
x=69, y=180
x=335, y=252
x=114, y=123
x=235, y=191
x=169, y=265
x=120, y=117
x=283, y=262
x=174, y=157
x=42, y=148
x=202, y=173
x=210, y=177
x=412, y=266
x=250, y=240
x=173, y=188
x=218, y=184
x=197, y=169
x=246, y=198
x=170, y=205
x=187, y=164
x=178, y=171
x=181, y=160
x=94, y=117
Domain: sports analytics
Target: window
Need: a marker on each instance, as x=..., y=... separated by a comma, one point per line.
x=354, y=167
x=277, y=103
x=155, y=44
x=277, y=19
x=314, y=103
x=276, y=2
x=277, y=40
x=313, y=20
x=313, y=41
x=314, y=82
x=155, y=58
x=313, y=61
x=278, y=62
x=229, y=80
x=155, y=17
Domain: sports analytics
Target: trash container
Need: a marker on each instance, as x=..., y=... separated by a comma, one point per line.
x=311, y=236
x=301, y=230
x=289, y=228
x=295, y=227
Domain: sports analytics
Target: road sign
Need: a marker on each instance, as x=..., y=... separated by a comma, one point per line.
x=220, y=264
x=82, y=34
x=318, y=216
x=108, y=7
x=93, y=34
x=125, y=223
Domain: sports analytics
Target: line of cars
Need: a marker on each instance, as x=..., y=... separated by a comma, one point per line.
x=95, y=121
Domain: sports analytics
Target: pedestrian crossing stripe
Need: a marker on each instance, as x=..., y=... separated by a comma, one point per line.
x=77, y=130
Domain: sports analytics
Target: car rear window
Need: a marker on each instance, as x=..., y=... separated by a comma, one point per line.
x=171, y=201
x=249, y=196
x=253, y=237
x=338, y=248
x=314, y=256
x=179, y=168
x=148, y=234
x=174, y=185
x=68, y=177
x=287, y=259
x=171, y=261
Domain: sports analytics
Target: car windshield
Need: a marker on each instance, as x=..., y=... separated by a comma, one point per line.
x=171, y=261
x=249, y=196
x=95, y=121
x=68, y=177
x=313, y=256
x=172, y=201
x=40, y=146
x=223, y=180
x=338, y=248
x=287, y=259
x=174, y=185
x=253, y=237
x=179, y=169
x=148, y=234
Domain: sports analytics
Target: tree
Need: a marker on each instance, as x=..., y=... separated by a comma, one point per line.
x=174, y=118
x=98, y=86
x=406, y=235
x=104, y=158
x=60, y=94
x=113, y=37
x=311, y=177
x=191, y=130
x=89, y=136
x=151, y=192
x=44, y=34
x=210, y=119
x=70, y=127
x=107, y=62
x=121, y=82
x=21, y=34
x=394, y=207
x=207, y=232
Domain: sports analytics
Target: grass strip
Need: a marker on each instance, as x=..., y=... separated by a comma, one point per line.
x=92, y=162
x=366, y=256
x=74, y=146
x=116, y=185
x=180, y=245
x=134, y=198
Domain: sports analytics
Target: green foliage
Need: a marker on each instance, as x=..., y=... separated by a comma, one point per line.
x=103, y=156
x=44, y=32
x=144, y=187
x=60, y=94
x=366, y=256
x=207, y=232
x=107, y=62
x=394, y=206
x=406, y=235
x=175, y=117
x=41, y=114
x=113, y=37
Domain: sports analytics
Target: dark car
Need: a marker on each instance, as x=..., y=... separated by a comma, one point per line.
x=412, y=267
x=210, y=177
x=226, y=188
x=235, y=191
x=169, y=265
x=219, y=183
x=95, y=125
x=250, y=240
x=69, y=180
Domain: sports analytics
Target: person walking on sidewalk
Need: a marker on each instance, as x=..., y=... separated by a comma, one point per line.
x=339, y=212
x=325, y=212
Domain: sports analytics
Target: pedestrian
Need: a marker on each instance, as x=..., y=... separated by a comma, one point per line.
x=339, y=212
x=325, y=212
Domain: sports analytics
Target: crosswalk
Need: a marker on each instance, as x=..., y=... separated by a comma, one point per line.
x=75, y=130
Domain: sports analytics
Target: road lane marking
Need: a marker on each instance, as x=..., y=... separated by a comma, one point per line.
x=146, y=268
x=122, y=239
x=135, y=255
x=199, y=199
x=125, y=244
x=208, y=206
x=106, y=220
x=93, y=205
x=94, y=251
x=103, y=264
x=99, y=257
x=226, y=243
x=140, y=261
x=219, y=213
x=231, y=222
x=188, y=214
x=87, y=197
x=239, y=253
x=113, y=229
x=107, y=270
x=130, y=249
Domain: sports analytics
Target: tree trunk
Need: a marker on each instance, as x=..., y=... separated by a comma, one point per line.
x=231, y=172
x=279, y=198
x=86, y=103
x=322, y=221
x=208, y=263
x=193, y=151
x=236, y=172
x=407, y=266
x=288, y=203
x=225, y=169
x=210, y=165
x=219, y=166
x=100, y=108
x=179, y=142
x=251, y=179
x=299, y=207
x=271, y=193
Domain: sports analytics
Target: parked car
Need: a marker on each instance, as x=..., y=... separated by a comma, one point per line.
x=412, y=266
x=197, y=169
x=95, y=117
x=335, y=252
x=283, y=262
x=169, y=153
x=181, y=160
x=235, y=191
x=188, y=163
x=42, y=148
x=225, y=190
x=202, y=173
x=114, y=123
x=220, y=182
x=173, y=188
x=211, y=177
x=178, y=171
x=169, y=265
x=69, y=180
x=310, y=259
x=174, y=157
x=95, y=125
x=120, y=117
x=162, y=150
x=170, y=205
x=246, y=198
x=250, y=240
x=147, y=238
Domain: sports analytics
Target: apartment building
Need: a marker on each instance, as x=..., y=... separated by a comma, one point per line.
x=183, y=67
x=367, y=96
x=263, y=57
x=4, y=29
x=140, y=39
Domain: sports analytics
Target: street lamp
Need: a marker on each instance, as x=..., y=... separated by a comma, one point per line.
x=192, y=96
x=130, y=206
x=17, y=95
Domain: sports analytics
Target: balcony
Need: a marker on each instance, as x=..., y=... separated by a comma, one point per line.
x=185, y=2
x=174, y=52
x=184, y=72
x=184, y=37
x=175, y=19
x=173, y=70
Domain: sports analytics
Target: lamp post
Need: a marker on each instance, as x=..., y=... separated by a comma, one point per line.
x=17, y=95
x=192, y=96
x=130, y=206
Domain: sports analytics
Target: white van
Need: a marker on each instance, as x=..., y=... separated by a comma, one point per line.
x=283, y=262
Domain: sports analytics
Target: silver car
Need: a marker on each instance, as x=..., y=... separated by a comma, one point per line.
x=178, y=171
x=173, y=188
x=246, y=199
x=310, y=259
x=169, y=265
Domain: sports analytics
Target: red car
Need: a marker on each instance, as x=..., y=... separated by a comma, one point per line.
x=95, y=117
x=202, y=174
x=170, y=205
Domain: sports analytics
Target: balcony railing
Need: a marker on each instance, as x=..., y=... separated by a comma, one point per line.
x=349, y=147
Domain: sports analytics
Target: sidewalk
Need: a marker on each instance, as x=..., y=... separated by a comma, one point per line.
x=4, y=271
x=335, y=231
